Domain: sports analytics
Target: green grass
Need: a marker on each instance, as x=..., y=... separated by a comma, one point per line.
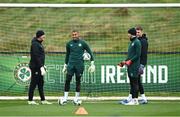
x=107, y=34
x=88, y=1
x=98, y=108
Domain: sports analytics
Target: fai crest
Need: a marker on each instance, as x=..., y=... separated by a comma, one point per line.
x=22, y=74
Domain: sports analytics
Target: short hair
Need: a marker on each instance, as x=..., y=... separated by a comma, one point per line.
x=132, y=31
x=139, y=28
x=75, y=31
x=39, y=33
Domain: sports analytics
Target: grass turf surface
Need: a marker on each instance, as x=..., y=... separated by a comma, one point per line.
x=98, y=108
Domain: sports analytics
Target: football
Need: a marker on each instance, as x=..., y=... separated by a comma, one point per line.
x=62, y=102
x=86, y=56
x=78, y=102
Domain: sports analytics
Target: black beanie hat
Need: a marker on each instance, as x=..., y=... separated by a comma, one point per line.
x=39, y=33
x=132, y=31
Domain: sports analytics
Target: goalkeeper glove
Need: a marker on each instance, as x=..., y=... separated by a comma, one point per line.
x=141, y=69
x=92, y=67
x=128, y=63
x=121, y=64
x=64, y=69
x=43, y=70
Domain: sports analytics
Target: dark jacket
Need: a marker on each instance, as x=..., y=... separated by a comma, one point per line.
x=134, y=52
x=37, y=54
x=144, y=49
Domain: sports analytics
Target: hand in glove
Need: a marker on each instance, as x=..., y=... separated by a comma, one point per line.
x=128, y=63
x=121, y=64
x=43, y=70
x=92, y=67
x=141, y=69
x=64, y=69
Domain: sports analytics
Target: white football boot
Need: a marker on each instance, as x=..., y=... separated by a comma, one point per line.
x=46, y=102
x=33, y=103
x=132, y=102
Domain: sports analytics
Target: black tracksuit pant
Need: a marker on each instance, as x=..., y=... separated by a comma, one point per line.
x=134, y=87
x=140, y=86
x=36, y=80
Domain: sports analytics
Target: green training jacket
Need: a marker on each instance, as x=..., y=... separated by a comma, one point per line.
x=75, y=50
x=134, y=52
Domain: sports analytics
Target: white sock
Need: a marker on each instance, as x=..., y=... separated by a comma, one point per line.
x=143, y=96
x=77, y=94
x=129, y=97
x=66, y=95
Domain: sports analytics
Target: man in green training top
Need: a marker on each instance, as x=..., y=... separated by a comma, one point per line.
x=74, y=64
x=133, y=63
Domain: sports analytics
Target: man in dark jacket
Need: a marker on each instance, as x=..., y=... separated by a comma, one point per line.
x=143, y=60
x=38, y=69
x=133, y=62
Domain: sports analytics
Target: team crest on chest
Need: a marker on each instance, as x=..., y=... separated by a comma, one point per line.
x=79, y=44
x=71, y=45
x=132, y=44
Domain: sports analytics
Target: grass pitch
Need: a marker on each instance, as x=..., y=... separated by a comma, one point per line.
x=94, y=108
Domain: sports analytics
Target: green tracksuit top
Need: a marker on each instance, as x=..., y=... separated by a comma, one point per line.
x=75, y=50
x=134, y=52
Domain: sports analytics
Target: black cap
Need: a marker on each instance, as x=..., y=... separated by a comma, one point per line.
x=132, y=31
x=39, y=33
